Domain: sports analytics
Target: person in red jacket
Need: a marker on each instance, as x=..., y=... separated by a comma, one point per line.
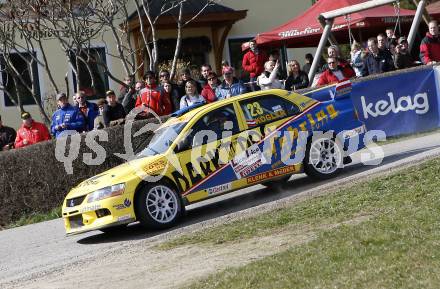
x=430, y=45
x=253, y=63
x=208, y=91
x=30, y=132
x=167, y=105
x=335, y=73
x=149, y=97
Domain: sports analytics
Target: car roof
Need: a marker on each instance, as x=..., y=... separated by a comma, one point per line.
x=192, y=113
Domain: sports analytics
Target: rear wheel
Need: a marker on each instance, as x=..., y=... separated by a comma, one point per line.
x=158, y=206
x=324, y=158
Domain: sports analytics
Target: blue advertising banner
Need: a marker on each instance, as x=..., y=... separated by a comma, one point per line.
x=400, y=104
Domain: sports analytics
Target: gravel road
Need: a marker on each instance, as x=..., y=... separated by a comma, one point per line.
x=41, y=256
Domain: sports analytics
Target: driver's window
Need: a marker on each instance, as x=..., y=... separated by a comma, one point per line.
x=212, y=125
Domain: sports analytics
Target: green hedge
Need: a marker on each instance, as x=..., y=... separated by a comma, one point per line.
x=33, y=180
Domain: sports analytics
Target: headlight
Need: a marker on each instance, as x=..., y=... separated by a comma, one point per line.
x=106, y=192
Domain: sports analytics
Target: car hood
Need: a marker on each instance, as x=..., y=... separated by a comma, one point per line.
x=118, y=174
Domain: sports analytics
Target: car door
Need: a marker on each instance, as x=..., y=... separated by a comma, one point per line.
x=210, y=144
x=268, y=116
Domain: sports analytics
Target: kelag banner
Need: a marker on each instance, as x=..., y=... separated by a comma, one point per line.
x=400, y=104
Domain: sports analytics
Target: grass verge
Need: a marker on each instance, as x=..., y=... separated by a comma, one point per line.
x=36, y=218
x=398, y=248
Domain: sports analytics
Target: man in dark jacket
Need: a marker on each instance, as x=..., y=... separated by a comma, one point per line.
x=130, y=97
x=89, y=110
x=7, y=137
x=125, y=89
x=402, y=57
x=204, y=70
x=114, y=113
x=377, y=61
x=430, y=46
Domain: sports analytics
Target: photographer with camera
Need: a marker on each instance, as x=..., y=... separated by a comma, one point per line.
x=402, y=57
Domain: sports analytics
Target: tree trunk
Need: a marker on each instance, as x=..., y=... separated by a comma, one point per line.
x=178, y=42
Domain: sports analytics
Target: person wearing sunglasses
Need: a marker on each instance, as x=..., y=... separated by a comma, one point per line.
x=335, y=73
x=208, y=91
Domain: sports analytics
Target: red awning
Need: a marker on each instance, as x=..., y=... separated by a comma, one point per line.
x=305, y=30
x=434, y=10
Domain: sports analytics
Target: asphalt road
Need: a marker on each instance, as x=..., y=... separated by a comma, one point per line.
x=31, y=251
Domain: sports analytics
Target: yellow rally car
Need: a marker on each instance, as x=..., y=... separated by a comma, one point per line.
x=216, y=148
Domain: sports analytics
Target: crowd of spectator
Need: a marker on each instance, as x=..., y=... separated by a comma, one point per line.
x=158, y=94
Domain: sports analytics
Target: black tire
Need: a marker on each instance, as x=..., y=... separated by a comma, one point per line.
x=323, y=158
x=158, y=206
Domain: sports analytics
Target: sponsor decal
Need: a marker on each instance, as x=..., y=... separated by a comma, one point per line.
x=342, y=88
x=124, y=218
x=419, y=103
x=270, y=116
x=353, y=132
x=154, y=167
x=219, y=189
x=126, y=204
x=90, y=208
x=270, y=174
x=296, y=32
x=247, y=162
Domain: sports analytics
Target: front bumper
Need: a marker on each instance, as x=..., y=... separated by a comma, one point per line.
x=84, y=217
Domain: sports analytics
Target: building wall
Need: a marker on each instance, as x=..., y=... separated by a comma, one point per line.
x=263, y=16
x=59, y=66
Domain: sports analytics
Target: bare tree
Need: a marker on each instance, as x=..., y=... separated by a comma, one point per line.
x=153, y=10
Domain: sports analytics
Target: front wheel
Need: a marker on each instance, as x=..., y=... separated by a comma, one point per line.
x=323, y=158
x=158, y=206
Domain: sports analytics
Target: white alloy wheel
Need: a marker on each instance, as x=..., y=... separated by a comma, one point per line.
x=325, y=156
x=162, y=204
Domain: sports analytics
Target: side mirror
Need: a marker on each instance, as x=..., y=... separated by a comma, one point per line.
x=183, y=145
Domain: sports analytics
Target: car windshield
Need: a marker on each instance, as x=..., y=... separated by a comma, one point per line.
x=162, y=139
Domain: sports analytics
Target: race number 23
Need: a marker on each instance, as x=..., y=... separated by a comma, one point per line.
x=254, y=109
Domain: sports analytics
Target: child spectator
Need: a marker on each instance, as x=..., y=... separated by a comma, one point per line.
x=356, y=58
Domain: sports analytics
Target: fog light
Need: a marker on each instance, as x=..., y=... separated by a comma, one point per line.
x=102, y=213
